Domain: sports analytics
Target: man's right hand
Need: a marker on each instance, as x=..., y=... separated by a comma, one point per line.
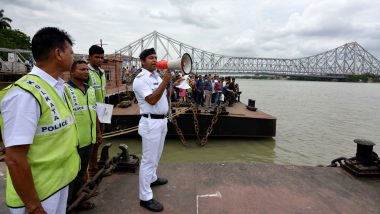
x=99, y=138
x=167, y=76
x=22, y=179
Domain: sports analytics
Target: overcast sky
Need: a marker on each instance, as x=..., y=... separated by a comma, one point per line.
x=252, y=28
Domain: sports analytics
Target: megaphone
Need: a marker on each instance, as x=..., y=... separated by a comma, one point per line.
x=183, y=64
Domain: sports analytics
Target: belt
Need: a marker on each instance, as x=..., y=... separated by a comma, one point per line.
x=155, y=116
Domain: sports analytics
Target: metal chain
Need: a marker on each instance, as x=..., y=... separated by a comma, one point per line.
x=336, y=161
x=181, y=104
x=196, y=125
x=88, y=190
x=211, y=127
x=179, y=132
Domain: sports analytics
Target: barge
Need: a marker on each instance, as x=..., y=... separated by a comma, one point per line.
x=234, y=121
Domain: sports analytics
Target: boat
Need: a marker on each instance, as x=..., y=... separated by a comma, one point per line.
x=223, y=121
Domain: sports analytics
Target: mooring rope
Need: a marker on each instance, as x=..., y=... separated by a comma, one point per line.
x=135, y=128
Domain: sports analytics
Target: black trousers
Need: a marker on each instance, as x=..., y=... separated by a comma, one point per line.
x=76, y=184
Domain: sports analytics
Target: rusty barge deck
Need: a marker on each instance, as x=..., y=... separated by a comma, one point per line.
x=239, y=122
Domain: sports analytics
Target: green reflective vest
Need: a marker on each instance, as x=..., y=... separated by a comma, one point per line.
x=53, y=155
x=85, y=113
x=98, y=82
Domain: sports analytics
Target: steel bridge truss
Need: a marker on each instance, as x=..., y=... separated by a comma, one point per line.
x=350, y=58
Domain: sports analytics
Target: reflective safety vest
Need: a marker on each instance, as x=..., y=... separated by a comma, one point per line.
x=98, y=82
x=53, y=155
x=84, y=105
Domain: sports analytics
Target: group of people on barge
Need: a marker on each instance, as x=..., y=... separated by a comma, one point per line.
x=206, y=91
x=209, y=90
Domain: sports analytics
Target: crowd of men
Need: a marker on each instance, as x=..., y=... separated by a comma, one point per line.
x=211, y=90
x=206, y=91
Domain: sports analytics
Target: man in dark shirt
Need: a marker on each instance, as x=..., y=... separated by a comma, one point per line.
x=229, y=94
x=200, y=90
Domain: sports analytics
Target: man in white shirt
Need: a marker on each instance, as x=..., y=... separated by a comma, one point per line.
x=21, y=113
x=150, y=92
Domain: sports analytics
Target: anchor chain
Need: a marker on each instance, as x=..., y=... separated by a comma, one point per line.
x=211, y=127
x=88, y=190
x=196, y=125
x=336, y=161
x=179, y=131
x=180, y=104
x=209, y=130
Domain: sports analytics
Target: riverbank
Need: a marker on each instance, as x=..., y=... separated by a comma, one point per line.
x=364, y=78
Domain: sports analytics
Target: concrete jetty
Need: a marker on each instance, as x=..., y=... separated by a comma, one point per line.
x=240, y=188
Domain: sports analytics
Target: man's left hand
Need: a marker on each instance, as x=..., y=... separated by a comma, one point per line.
x=99, y=138
x=177, y=82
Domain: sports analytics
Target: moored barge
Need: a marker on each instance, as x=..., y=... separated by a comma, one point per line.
x=234, y=121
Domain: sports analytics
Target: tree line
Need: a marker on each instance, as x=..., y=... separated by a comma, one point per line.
x=11, y=38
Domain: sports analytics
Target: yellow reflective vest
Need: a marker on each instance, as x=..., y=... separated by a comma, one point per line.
x=98, y=82
x=53, y=155
x=84, y=105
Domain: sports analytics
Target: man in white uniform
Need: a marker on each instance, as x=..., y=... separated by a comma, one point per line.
x=150, y=92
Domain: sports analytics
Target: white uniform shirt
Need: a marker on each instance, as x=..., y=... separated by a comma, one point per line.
x=144, y=84
x=21, y=111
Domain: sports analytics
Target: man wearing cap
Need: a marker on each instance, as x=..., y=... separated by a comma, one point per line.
x=150, y=92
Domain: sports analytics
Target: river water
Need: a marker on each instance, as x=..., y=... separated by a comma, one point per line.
x=316, y=123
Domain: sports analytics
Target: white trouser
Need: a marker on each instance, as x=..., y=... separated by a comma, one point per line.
x=153, y=133
x=55, y=204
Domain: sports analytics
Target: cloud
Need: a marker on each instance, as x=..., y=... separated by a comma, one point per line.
x=185, y=13
x=317, y=27
x=327, y=24
x=37, y=5
x=326, y=19
x=250, y=28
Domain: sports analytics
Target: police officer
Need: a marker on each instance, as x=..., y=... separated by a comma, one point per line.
x=83, y=99
x=150, y=92
x=38, y=129
x=97, y=80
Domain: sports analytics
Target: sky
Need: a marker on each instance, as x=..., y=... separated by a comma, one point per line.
x=246, y=28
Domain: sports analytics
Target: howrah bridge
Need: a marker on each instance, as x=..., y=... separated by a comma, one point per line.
x=350, y=58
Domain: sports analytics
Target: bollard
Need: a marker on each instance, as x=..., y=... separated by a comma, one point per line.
x=124, y=153
x=364, y=151
x=251, y=105
x=105, y=154
x=127, y=162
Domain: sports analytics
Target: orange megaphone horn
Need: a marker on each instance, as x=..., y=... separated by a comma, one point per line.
x=184, y=64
